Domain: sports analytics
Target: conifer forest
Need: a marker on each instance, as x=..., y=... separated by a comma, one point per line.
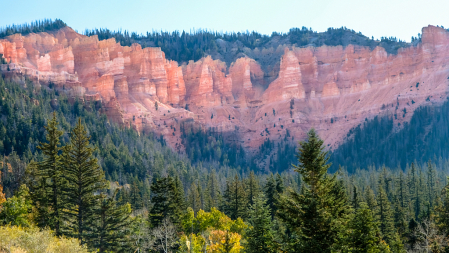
x=67, y=169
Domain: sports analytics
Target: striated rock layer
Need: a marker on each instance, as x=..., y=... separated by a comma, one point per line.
x=330, y=88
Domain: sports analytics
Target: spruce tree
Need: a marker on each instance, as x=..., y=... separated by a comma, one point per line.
x=146, y=194
x=415, y=190
x=259, y=235
x=252, y=188
x=401, y=192
x=39, y=194
x=442, y=214
x=47, y=194
x=355, y=198
x=271, y=195
x=431, y=184
x=201, y=194
x=316, y=215
x=212, y=192
x=163, y=192
x=385, y=180
x=401, y=204
x=385, y=216
x=112, y=227
x=179, y=197
x=363, y=232
x=84, y=178
x=234, y=199
x=135, y=196
x=279, y=184
x=400, y=217
x=371, y=200
x=193, y=197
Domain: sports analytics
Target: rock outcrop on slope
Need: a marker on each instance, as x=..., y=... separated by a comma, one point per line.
x=330, y=88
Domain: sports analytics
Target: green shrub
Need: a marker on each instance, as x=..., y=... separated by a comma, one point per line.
x=31, y=239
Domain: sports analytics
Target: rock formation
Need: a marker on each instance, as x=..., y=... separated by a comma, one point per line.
x=330, y=88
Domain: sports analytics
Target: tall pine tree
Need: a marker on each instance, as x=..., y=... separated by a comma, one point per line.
x=47, y=194
x=385, y=216
x=163, y=198
x=234, y=199
x=363, y=233
x=212, y=192
x=252, y=188
x=273, y=189
x=259, y=236
x=193, y=196
x=112, y=226
x=84, y=178
x=316, y=215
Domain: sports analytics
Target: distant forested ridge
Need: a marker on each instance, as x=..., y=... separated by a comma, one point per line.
x=229, y=46
x=45, y=25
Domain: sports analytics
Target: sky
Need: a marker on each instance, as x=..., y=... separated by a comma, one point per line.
x=398, y=18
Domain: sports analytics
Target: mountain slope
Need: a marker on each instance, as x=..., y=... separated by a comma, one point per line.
x=333, y=89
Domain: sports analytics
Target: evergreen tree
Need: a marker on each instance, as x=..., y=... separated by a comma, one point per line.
x=47, y=195
x=124, y=196
x=194, y=198
x=279, y=184
x=442, y=217
x=371, y=200
x=272, y=195
x=201, y=194
x=84, y=178
x=415, y=191
x=431, y=187
x=134, y=196
x=355, y=198
x=363, y=232
x=146, y=194
x=400, y=217
x=385, y=216
x=234, y=199
x=316, y=215
x=163, y=191
x=401, y=192
x=212, y=193
x=385, y=181
x=259, y=235
x=424, y=211
x=252, y=188
x=112, y=227
x=412, y=238
x=179, y=197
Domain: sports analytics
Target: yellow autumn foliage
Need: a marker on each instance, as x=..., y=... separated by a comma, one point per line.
x=213, y=219
x=213, y=240
x=15, y=239
x=192, y=243
x=215, y=232
x=217, y=240
x=2, y=197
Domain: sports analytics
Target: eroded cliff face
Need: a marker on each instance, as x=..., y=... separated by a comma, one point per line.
x=330, y=88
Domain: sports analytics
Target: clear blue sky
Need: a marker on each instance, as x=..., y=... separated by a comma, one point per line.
x=399, y=18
